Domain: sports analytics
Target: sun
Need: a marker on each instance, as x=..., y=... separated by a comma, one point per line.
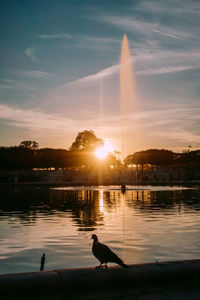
x=103, y=151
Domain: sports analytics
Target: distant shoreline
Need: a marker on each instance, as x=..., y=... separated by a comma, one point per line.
x=78, y=184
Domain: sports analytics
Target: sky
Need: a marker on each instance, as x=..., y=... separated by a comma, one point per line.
x=60, y=72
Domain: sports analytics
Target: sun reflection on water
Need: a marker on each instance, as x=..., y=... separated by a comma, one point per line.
x=101, y=204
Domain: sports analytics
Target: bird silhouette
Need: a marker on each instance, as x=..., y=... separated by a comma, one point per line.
x=104, y=254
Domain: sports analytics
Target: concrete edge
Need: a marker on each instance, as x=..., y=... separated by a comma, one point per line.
x=85, y=279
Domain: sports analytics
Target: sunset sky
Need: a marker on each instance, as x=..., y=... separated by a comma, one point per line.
x=59, y=72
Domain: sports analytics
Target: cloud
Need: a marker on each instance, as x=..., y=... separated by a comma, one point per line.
x=157, y=70
x=55, y=36
x=96, y=43
x=35, y=119
x=167, y=34
x=96, y=76
x=38, y=74
x=173, y=19
x=145, y=28
x=30, y=53
x=15, y=84
x=129, y=23
x=4, y=86
x=180, y=7
x=160, y=127
x=166, y=70
x=91, y=42
x=9, y=80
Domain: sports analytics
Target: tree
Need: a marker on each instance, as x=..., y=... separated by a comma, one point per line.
x=189, y=157
x=16, y=157
x=86, y=140
x=29, y=145
x=151, y=156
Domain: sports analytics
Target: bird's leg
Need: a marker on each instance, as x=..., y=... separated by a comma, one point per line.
x=105, y=266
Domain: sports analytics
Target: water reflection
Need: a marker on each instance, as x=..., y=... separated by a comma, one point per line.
x=142, y=225
x=87, y=207
x=29, y=204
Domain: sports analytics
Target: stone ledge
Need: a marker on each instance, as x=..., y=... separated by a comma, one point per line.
x=91, y=283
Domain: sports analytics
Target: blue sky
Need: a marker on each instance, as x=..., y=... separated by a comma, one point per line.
x=59, y=72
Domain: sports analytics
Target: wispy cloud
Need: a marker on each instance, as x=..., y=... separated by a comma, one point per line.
x=181, y=8
x=15, y=84
x=55, y=36
x=157, y=70
x=34, y=119
x=167, y=34
x=6, y=87
x=96, y=76
x=83, y=41
x=173, y=124
x=97, y=43
x=173, y=19
x=30, y=53
x=43, y=124
x=91, y=42
x=169, y=69
x=129, y=23
x=9, y=80
x=38, y=74
x=145, y=27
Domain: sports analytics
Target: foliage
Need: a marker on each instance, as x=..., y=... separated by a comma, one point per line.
x=189, y=157
x=17, y=158
x=86, y=140
x=29, y=145
x=151, y=156
x=28, y=156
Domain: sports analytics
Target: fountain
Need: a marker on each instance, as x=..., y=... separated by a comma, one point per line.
x=126, y=88
x=127, y=95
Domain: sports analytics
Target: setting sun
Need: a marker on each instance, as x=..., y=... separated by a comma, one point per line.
x=103, y=151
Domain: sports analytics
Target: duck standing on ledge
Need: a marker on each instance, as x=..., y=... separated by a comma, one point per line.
x=104, y=254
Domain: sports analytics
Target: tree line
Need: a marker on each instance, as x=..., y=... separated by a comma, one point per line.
x=28, y=155
x=162, y=157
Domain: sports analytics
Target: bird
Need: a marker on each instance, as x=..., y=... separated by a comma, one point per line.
x=104, y=254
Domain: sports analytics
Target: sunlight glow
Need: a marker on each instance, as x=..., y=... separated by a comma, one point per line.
x=103, y=151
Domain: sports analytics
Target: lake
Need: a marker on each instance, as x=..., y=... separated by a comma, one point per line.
x=145, y=224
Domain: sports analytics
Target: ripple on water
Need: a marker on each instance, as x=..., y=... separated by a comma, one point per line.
x=145, y=225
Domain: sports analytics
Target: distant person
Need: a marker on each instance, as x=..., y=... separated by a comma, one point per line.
x=42, y=262
x=123, y=188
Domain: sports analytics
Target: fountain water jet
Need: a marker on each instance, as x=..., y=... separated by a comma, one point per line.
x=126, y=87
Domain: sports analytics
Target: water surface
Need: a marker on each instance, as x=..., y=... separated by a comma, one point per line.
x=143, y=225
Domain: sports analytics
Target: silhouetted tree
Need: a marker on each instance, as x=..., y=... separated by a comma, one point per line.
x=151, y=156
x=86, y=140
x=29, y=145
x=17, y=158
x=189, y=157
x=53, y=158
x=160, y=156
